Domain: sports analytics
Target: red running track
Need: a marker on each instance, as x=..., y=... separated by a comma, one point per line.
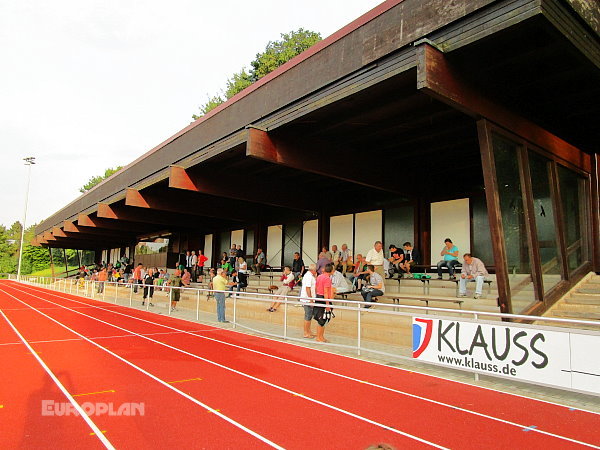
x=207, y=387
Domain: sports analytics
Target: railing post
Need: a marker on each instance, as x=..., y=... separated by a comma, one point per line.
x=235, y=296
x=77, y=289
x=358, y=343
x=285, y=304
x=116, y=291
x=131, y=294
x=104, y=290
x=198, y=305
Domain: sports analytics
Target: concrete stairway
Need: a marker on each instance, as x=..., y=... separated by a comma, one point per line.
x=582, y=302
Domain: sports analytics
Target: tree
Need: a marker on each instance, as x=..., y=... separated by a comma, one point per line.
x=279, y=52
x=96, y=180
x=276, y=53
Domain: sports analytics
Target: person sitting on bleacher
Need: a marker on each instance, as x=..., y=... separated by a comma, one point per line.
x=284, y=289
x=374, y=288
x=412, y=257
x=396, y=259
x=450, y=255
x=359, y=273
x=259, y=261
x=473, y=269
x=340, y=283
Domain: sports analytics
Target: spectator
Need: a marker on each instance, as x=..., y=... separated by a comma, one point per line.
x=259, y=262
x=137, y=277
x=148, y=287
x=239, y=253
x=102, y=277
x=284, y=289
x=345, y=258
x=473, y=269
x=219, y=283
x=188, y=261
x=201, y=261
x=450, y=254
x=243, y=271
x=323, y=260
x=324, y=292
x=396, y=259
x=375, y=258
x=306, y=296
x=127, y=272
x=232, y=255
x=327, y=253
x=359, y=273
x=236, y=282
x=375, y=287
x=412, y=257
x=186, y=278
x=297, y=266
x=336, y=257
x=175, y=283
x=194, y=268
x=340, y=283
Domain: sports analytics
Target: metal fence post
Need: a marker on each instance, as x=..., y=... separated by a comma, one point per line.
x=235, y=309
x=285, y=309
x=358, y=330
x=197, y=305
x=131, y=295
x=116, y=291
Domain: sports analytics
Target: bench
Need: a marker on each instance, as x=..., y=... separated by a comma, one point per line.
x=426, y=285
x=396, y=299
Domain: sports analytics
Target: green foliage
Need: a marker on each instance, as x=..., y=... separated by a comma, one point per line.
x=276, y=53
x=98, y=179
x=279, y=52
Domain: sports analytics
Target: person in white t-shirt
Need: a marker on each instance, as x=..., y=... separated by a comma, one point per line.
x=306, y=295
x=375, y=257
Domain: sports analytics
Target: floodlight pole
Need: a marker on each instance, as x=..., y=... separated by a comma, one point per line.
x=29, y=161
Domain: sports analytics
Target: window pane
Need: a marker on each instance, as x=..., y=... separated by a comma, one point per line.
x=513, y=221
x=572, y=191
x=544, y=219
x=481, y=246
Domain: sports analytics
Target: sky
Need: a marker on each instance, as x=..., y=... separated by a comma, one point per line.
x=91, y=84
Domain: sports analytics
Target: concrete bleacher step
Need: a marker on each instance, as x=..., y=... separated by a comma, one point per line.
x=571, y=314
x=587, y=299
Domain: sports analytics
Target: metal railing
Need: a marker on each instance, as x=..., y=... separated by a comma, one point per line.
x=385, y=330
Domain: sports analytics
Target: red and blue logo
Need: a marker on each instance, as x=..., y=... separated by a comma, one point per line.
x=422, y=329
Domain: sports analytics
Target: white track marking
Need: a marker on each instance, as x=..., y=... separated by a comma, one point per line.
x=50, y=341
x=79, y=409
x=310, y=399
x=164, y=383
x=456, y=408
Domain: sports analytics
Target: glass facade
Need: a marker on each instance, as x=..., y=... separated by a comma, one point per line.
x=513, y=222
x=540, y=168
x=481, y=244
x=572, y=193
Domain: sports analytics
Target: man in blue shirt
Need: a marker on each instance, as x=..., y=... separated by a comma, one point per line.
x=450, y=255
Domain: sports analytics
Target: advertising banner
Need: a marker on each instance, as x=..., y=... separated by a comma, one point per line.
x=557, y=358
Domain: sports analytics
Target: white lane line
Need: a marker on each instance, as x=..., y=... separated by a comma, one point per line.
x=196, y=401
x=79, y=409
x=310, y=399
x=436, y=402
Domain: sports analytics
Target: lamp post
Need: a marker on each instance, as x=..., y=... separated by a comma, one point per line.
x=29, y=161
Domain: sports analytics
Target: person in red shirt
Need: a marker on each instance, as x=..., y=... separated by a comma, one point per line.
x=201, y=260
x=324, y=290
x=137, y=277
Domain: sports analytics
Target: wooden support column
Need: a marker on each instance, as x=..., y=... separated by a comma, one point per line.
x=494, y=215
x=51, y=261
x=595, y=212
x=530, y=224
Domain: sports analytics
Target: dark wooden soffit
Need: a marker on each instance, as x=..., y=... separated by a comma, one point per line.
x=193, y=205
x=310, y=158
x=72, y=230
x=211, y=184
x=437, y=77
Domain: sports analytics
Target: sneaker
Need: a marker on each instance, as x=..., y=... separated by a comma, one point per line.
x=143, y=303
x=224, y=321
x=462, y=294
x=151, y=304
x=439, y=277
x=453, y=278
x=368, y=306
x=476, y=296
